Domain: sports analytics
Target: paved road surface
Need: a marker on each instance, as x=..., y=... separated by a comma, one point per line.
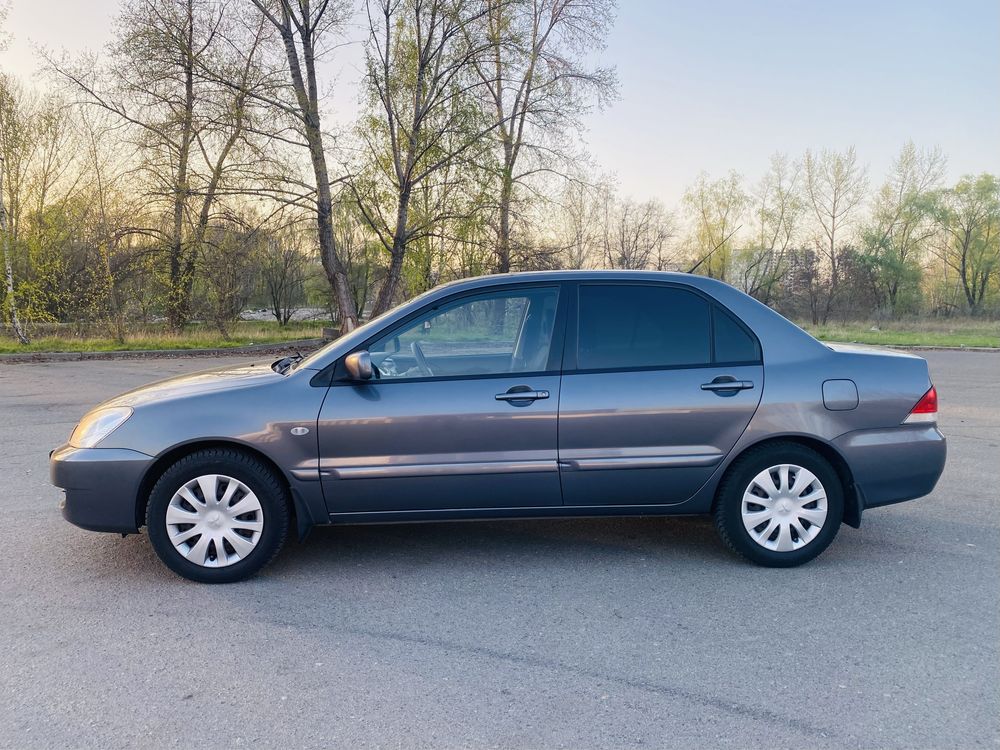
x=597, y=633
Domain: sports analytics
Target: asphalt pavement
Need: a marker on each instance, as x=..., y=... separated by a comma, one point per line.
x=543, y=634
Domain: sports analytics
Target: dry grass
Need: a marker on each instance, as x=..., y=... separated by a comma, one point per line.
x=156, y=337
x=956, y=332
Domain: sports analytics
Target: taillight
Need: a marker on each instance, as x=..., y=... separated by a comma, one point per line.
x=925, y=410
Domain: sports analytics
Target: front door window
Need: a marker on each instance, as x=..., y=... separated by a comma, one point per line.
x=492, y=334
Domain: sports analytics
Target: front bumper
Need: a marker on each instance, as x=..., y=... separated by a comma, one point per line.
x=896, y=464
x=101, y=486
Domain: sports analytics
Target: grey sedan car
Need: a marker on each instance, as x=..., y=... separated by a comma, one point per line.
x=519, y=396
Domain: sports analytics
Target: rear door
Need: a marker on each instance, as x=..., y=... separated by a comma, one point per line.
x=659, y=383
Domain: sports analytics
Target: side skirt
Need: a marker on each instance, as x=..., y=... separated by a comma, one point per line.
x=482, y=514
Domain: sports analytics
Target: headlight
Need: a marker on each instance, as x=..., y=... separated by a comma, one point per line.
x=97, y=425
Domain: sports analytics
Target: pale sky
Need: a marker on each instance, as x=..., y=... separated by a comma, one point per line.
x=722, y=85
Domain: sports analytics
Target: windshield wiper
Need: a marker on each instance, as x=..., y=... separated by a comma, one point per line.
x=283, y=365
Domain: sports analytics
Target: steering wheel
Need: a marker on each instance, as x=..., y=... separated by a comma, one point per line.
x=418, y=354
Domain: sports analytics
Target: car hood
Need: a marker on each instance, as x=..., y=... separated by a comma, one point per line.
x=219, y=379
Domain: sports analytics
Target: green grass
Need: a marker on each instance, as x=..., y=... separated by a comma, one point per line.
x=155, y=337
x=912, y=333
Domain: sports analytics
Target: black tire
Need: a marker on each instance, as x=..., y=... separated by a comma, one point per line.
x=269, y=488
x=729, y=499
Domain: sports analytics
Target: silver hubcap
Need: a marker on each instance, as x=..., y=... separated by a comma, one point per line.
x=214, y=520
x=784, y=508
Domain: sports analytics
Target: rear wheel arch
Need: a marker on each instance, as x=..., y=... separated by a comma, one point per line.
x=853, y=504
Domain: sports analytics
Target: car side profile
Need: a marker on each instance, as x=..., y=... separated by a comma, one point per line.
x=552, y=394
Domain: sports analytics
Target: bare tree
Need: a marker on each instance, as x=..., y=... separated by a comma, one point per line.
x=835, y=186
x=283, y=272
x=777, y=215
x=635, y=235
x=538, y=82
x=419, y=57
x=231, y=248
x=305, y=28
x=185, y=129
x=580, y=236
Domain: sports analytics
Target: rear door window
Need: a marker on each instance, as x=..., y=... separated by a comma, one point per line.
x=643, y=326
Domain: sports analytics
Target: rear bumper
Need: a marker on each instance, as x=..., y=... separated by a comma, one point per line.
x=101, y=486
x=896, y=464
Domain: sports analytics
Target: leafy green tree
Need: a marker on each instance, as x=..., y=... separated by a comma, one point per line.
x=9, y=146
x=900, y=226
x=716, y=209
x=422, y=122
x=968, y=216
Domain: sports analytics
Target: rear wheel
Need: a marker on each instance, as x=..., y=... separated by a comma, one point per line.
x=779, y=505
x=217, y=516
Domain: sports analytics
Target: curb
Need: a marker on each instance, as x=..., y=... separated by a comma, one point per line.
x=303, y=345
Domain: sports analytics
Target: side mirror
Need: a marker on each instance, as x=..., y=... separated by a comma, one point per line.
x=359, y=365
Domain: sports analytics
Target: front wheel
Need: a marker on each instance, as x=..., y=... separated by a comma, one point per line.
x=217, y=516
x=779, y=505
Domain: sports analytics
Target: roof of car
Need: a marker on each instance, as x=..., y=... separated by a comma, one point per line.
x=568, y=274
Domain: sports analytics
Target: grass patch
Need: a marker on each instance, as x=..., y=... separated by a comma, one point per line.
x=912, y=333
x=148, y=338
x=934, y=332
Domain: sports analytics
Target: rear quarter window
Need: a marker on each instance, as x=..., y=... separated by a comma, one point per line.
x=733, y=343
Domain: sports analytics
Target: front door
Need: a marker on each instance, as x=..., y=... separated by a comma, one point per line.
x=462, y=414
x=660, y=382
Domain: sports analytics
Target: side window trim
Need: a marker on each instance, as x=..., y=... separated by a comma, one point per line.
x=330, y=376
x=570, y=358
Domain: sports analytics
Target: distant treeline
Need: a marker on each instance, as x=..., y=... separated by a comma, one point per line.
x=189, y=171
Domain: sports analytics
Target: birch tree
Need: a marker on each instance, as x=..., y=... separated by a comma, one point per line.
x=9, y=130
x=835, y=187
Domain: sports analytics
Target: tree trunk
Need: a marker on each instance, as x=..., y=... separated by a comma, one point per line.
x=390, y=287
x=336, y=273
x=503, y=264
x=178, y=302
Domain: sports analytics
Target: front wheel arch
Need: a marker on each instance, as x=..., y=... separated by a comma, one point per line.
x=853, y=499
x=167, y=459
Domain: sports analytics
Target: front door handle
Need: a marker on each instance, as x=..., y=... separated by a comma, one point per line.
x=727, y=383
x=521, y=393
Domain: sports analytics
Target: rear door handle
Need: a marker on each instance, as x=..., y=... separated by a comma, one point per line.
x=727, y=385
x=525, y=395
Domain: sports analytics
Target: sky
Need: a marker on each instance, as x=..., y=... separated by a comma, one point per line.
x=719, y=85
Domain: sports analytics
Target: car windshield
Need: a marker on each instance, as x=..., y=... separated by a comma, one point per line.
x=361, y=332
